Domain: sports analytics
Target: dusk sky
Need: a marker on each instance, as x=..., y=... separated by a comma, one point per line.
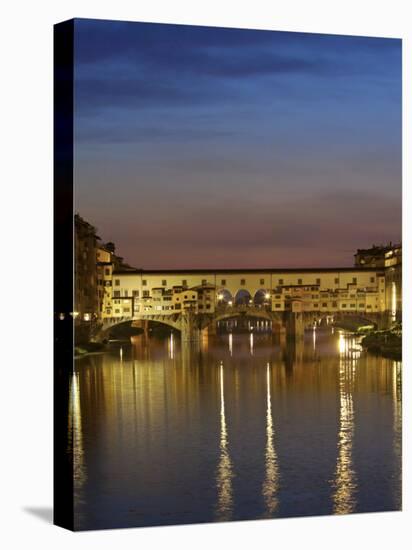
x=206, y=147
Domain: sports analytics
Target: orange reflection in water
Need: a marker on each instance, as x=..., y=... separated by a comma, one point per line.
x=271, y=483
x=75, y=438
x=344, y=500
x=224, y=469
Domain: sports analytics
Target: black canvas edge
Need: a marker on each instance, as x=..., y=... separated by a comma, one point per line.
x=63, y=497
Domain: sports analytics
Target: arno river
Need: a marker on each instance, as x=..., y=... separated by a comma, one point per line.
x=240, y=428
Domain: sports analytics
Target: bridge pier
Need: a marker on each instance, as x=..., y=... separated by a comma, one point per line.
x=211, y=329
x=294, y=325
x=279, y=331
x=190, y=331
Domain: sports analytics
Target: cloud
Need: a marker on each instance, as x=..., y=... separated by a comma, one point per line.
x=130, y=66
x=240, y=232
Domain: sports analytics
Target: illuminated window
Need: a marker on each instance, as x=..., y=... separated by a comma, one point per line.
x=126, y=293
x=116, y=293
x=135, y=293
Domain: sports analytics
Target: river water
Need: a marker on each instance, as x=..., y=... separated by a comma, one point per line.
x=240, y=427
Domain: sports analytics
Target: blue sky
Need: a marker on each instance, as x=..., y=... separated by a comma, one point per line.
x=200, y=146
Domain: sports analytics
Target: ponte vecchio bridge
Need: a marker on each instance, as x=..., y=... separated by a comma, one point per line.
x=192, y=301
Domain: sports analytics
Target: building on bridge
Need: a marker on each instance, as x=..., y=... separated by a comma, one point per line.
x=352, y=290
x=389, y=258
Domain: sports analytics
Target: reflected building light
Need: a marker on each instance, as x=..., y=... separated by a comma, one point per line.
x=397, y=429
x=251, y=343
x=75, y=438
x=344, y=501
x=231, y=344
x=171, y=347
x=121, y=354
x=393, y=302
x=224, y=470
x=342, y=343
x=271, y=483
x=314, y=338
x=349, y=347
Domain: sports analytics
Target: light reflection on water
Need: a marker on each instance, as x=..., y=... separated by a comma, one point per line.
x=397, y=427
x=75, y=439
x=240, y=427
x=271, y=483
x=224, y=470
x=345, y=477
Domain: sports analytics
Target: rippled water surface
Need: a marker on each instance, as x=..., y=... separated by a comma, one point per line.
x=240, y=427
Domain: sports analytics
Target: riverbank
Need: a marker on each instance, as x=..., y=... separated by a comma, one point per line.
x=387, y=343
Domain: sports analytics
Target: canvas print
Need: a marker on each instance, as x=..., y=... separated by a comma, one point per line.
x=228, y=274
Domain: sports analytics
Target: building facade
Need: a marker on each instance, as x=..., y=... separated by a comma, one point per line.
x=361, y=290
x=85, y=270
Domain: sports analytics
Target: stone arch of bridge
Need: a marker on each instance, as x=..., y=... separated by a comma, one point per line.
x=367, y=319
x=242, y=297
x=170, y=321
x=320, y=317
x=261, y=296
x=224, y=296
x=250, y=312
